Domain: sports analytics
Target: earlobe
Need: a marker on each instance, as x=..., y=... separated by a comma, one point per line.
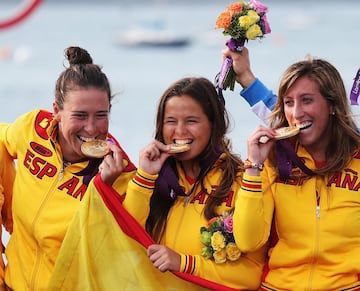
x=55, y=107
x=56, y=111
x=332, y=111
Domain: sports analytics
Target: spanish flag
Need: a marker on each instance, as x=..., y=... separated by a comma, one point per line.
x=105, y=249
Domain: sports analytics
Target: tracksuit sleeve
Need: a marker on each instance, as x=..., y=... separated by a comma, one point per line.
x=139, y=191
x=253, y=211
x=261, y=99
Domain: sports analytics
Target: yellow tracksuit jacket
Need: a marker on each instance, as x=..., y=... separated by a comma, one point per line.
x=46, y=195
x=183, y=229
x=7, y=176
x=318, y=245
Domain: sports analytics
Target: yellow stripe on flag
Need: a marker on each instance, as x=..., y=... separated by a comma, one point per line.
x=97, y=255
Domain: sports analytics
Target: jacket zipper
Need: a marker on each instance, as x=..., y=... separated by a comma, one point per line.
x=35, y=273
x=316, y=247
x=172, y=245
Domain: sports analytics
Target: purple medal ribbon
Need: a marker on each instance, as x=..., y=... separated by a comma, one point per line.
x=355, y=90
x=287, y=158
x=167, y=184
x=90, y=170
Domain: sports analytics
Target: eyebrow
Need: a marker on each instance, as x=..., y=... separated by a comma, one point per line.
x=83, y=111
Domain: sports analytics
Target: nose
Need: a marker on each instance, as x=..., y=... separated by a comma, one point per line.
x=90, y=126
x=180, y=128
x=298, y=110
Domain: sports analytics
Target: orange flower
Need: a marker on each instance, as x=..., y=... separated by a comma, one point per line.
x=223, y=20
x=235, y=8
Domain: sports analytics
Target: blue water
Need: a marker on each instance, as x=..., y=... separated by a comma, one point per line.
x=327, y=29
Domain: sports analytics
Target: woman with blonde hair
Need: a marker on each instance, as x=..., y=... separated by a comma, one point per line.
x=307, y=197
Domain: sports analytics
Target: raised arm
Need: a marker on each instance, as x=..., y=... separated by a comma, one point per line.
x=259, y=97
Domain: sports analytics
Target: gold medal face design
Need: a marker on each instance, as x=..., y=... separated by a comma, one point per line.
x=95, y=148
x=286, y=132
x=178, y=148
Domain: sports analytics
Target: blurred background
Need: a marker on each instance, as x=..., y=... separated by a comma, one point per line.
x=118, y=35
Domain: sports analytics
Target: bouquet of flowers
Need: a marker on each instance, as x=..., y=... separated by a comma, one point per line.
x=241, y=21
x=219, y=240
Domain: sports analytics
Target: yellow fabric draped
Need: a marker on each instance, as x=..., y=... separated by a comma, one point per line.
x=98, y=254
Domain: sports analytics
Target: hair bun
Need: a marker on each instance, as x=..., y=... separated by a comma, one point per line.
x=77, y=56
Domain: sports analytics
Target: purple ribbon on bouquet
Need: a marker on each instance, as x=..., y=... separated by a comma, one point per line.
x=355, y=90
x=287, y=158
x=236, y=46
x=225, y=67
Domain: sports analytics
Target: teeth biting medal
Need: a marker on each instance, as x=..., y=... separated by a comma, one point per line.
x=282, y=133
x=176, y=148
x=95, y=148
x=286, y=132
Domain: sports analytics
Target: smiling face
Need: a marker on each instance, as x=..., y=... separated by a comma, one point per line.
x=85, y=115
x=186, y=122
x=306, y=108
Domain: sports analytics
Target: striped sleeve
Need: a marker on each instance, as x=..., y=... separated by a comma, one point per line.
x=187, y=264
x=145, y=180
x=138, y=195
x=251, y=183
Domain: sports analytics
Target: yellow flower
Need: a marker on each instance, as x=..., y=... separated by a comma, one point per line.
x=217, y=241
x=254, y=17
x=220, y=256
x=244, y=21
x=253, y=32
x=232, y=251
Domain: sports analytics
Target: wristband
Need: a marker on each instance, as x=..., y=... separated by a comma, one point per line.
x=250, y=165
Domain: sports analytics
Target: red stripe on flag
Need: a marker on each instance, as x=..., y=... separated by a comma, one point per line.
x=133, y=229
